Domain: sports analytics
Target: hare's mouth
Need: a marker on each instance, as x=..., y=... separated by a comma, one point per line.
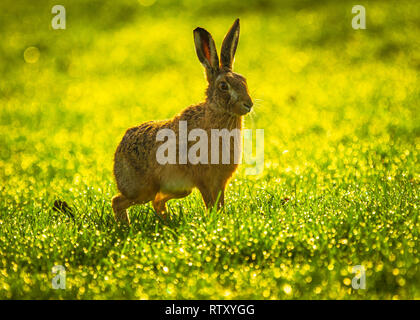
x=245, y=108
x=239, y=109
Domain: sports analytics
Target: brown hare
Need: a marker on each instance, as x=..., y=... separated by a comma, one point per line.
x=142, y=178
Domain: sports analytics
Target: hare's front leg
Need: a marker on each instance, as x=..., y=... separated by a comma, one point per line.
x=211, y=195
x=159, y=204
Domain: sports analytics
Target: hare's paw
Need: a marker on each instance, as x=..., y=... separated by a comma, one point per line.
x=119, y=206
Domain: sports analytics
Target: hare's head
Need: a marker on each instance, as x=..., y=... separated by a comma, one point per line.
x=227, y=90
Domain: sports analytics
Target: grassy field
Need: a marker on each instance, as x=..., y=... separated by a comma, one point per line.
x=340, y=109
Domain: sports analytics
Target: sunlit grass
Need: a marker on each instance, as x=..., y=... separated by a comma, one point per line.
x=340, y=110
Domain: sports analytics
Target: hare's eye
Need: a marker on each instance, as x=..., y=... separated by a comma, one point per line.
x=223, y=86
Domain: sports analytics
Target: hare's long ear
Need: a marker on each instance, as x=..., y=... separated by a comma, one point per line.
x=229, y=45
x=206, y=52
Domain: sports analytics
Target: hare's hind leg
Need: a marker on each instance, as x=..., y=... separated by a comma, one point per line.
x=119, y=205
x=135, y=188
x=159, y=203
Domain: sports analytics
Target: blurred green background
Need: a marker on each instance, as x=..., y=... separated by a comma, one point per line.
x=340, y=110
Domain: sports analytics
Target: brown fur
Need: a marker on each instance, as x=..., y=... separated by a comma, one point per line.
x=140, y=178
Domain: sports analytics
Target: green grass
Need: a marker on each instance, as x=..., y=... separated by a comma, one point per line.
x=340, y=110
